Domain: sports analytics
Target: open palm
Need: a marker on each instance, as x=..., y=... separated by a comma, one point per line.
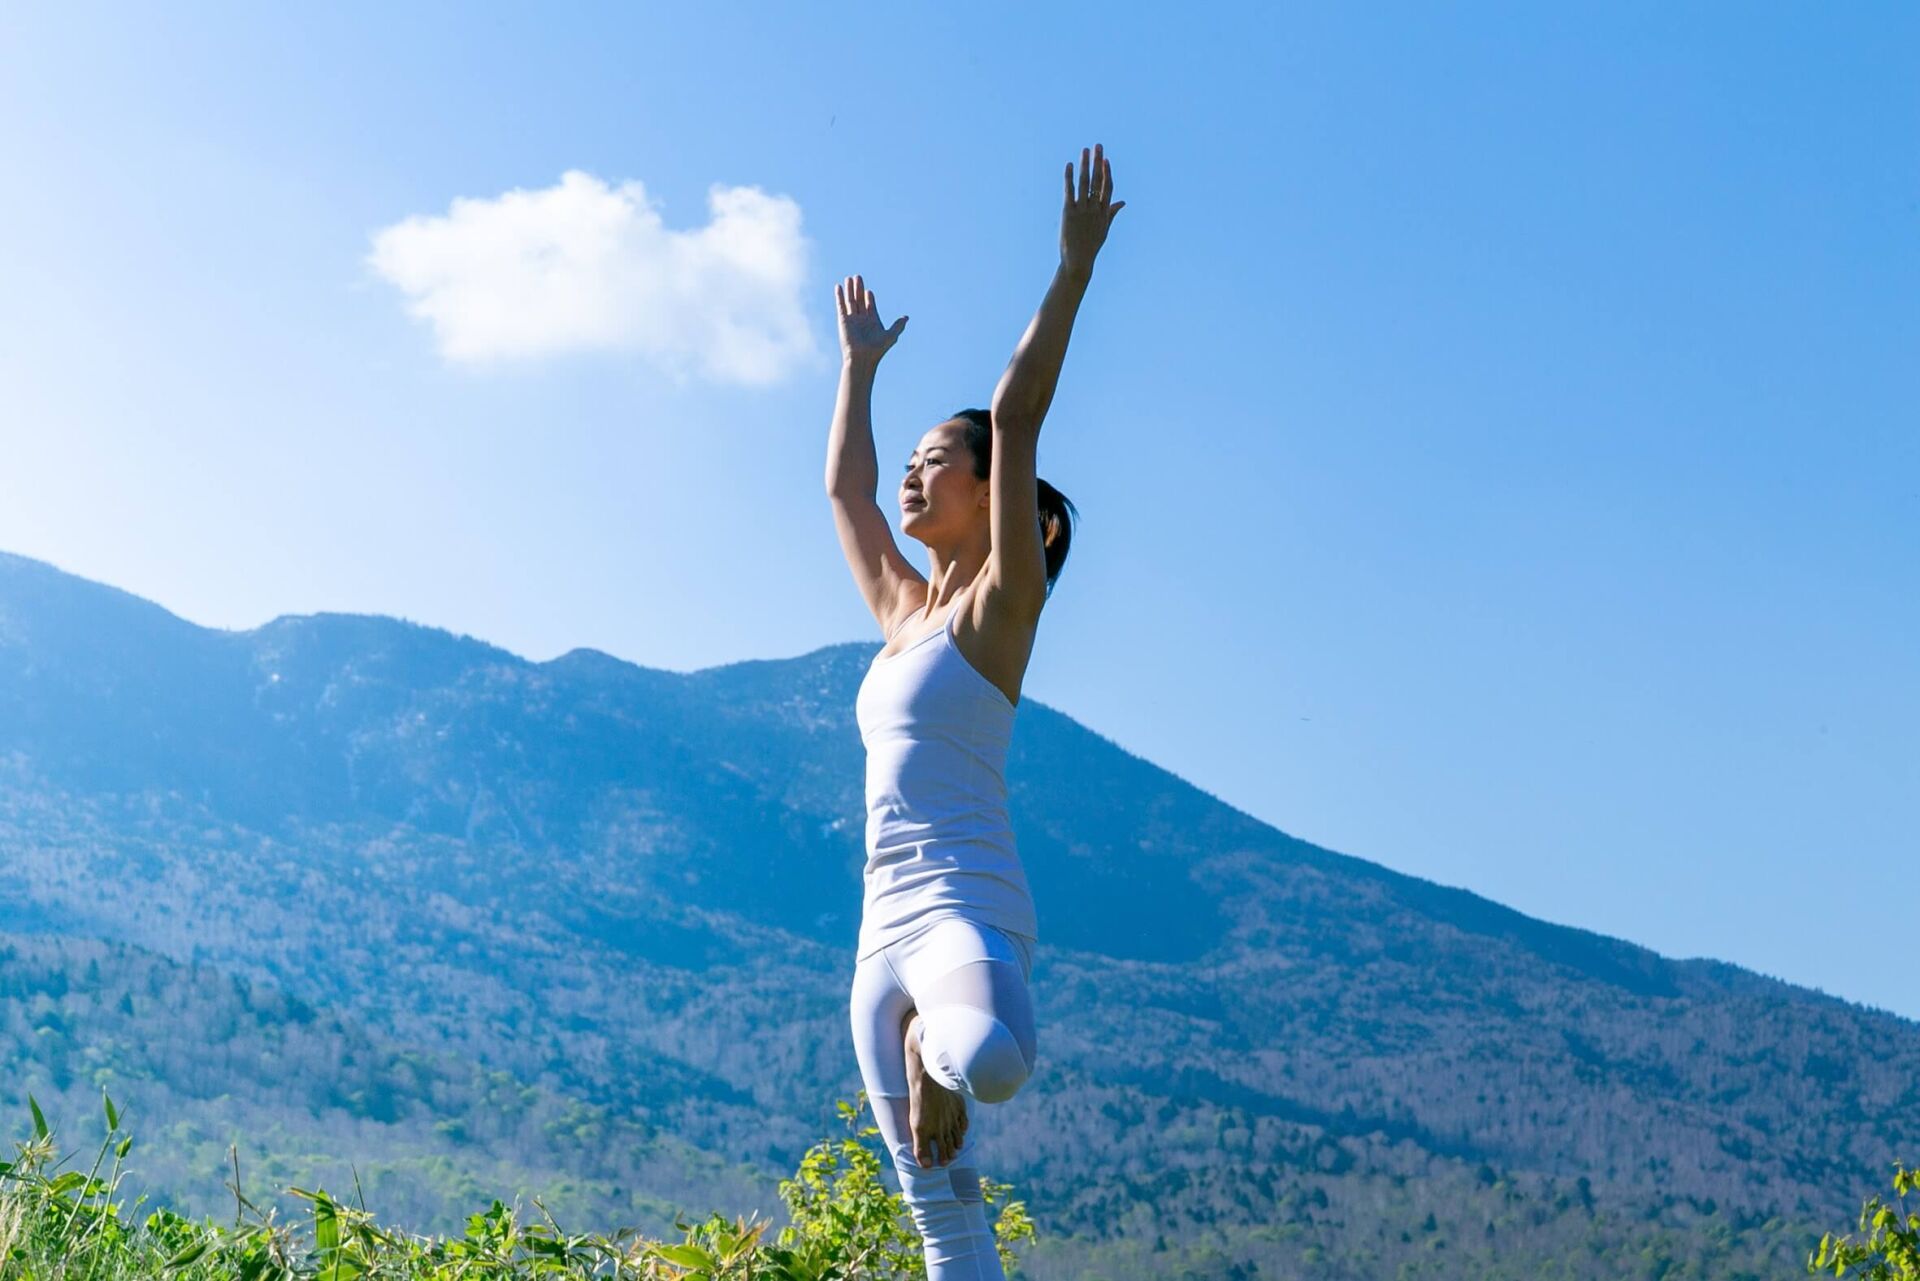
x=1089, y=211
x=862, y=336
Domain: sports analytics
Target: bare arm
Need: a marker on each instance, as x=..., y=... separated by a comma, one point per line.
x=853, y=470
x=1016, y=573
x=1026, y=388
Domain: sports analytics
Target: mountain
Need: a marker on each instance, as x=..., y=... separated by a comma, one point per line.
x=312, y=1098
x=635, y=892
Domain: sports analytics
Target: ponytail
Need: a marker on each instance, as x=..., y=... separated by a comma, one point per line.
x=1057, y=514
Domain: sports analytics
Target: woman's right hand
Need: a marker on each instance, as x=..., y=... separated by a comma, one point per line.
x=862, y=337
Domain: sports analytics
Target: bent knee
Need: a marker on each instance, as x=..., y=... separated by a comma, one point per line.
x=998, y=1079
x=975, y=1051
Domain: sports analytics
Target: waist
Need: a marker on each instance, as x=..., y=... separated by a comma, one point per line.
x=933, y=790
x=912, y=935
x=891, y=828
x=904, y=891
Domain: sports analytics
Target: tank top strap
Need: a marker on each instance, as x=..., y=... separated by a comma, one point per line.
x=886, y=637
x=953, y=611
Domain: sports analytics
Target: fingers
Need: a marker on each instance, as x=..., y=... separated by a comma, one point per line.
x=852, y=296
x=1096, y=177
x=856, y=304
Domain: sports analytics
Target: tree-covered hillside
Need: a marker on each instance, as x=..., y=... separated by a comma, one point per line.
x=634, y=892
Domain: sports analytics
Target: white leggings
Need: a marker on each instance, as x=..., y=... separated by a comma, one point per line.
x=968, y=982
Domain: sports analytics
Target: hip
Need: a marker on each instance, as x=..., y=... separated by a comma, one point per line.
x=946, y=939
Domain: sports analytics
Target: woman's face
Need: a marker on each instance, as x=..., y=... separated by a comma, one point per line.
x=939, y=495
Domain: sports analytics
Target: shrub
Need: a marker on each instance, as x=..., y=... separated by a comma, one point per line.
x=1891, y=1248
x=846, y=1226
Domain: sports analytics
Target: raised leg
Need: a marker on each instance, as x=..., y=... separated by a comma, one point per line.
x=944, y=1200
x=976, y=1031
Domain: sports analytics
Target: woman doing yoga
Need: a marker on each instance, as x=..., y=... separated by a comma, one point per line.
x=941, y=1011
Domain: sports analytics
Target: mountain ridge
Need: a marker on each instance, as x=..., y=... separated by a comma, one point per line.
x=278, y=638
x=592, y=875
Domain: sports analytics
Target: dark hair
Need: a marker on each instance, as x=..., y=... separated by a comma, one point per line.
x=1057, y=514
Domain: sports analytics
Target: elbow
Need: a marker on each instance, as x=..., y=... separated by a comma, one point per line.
x=1007, y=404
x=1012, y=414
x=841, y=490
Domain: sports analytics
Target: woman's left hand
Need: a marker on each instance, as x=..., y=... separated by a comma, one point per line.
x=1089, y=211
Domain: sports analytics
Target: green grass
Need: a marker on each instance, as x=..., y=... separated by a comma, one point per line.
x=58, y=1224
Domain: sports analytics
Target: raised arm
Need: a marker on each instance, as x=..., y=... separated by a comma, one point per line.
x=1016, y=572
x=1026, y=388
x=853, y=471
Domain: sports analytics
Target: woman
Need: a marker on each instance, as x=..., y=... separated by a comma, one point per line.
x=941, y=1012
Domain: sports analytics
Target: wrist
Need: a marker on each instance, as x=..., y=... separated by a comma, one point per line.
x=1079, y=273
x=854, y=362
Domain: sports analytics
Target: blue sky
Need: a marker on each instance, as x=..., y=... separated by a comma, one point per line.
x=1494, y=428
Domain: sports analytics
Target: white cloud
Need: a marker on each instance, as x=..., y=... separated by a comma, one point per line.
x=584, y=266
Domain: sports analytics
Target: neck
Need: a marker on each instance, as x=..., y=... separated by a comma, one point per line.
x=950, y=569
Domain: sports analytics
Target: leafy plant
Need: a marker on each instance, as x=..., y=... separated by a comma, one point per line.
x=1891, y=1248
x=846, y=1226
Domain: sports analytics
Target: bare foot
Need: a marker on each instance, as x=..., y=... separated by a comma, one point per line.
x=937, y=1115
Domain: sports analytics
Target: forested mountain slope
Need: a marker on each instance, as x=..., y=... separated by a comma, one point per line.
x=636, y=891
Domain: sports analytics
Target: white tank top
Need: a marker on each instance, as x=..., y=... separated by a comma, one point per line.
x=939, y=841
